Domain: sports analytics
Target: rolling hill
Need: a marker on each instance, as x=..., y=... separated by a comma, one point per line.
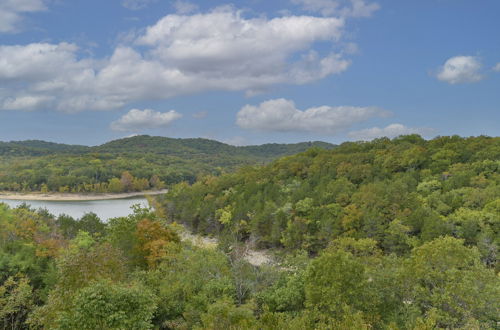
x=35, y=165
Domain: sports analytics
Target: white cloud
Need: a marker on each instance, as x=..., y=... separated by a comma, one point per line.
x=461, y=69
x=222, y=44
x=343, y=8
x=37, y=62
x=26, y=102
x=281, y=115
x=12, y=11
x=180, y=54
x=136, y=120
x=184, y=7
x=390, y=131
x=136, y=4
x=497, y=67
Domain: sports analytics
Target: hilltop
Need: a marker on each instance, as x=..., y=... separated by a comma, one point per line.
x=158, y=145
x=129, y=164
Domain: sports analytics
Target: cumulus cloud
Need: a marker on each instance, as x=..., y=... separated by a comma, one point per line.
x=390, y=131
x=12, y=13
x=136, y=4
x=26, y=102
x=180, y=54
x=281, y=115
x=343, y=8
x=461, y=69
x=497, y=67
x=136, y=120
x=222, y=44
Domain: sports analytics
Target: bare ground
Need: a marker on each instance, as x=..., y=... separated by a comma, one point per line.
x=75, y=196
x=254, y=257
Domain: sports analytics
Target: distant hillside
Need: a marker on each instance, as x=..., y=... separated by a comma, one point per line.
x=38, y=148
x=164, y=145
x=278, y=150
x=158, y=145
x=184, y=147
x=150, y=161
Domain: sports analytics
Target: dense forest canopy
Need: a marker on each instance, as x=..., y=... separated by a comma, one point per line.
x=388, y=234
x=130, y=164
x=395, y=192
x=396, y=200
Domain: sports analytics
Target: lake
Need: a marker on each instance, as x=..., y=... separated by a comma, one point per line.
x=105, y=209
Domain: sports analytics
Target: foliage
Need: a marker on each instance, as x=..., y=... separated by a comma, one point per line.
x=396, y=229
x=390, y=234
x=107, y=305
x=16, y=301
x=132, y=164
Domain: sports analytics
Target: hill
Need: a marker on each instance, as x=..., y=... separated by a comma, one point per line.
x=301, y=201
x=158, y=145
x=38, y=148
x=129, y=164
x=373, y=235
x=199, y=146
x=389, y=234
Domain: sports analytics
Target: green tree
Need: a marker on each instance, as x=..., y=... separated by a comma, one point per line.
x=108, y=305
x=115, y=186
x=335, y=280
x=224, y=314
x=448, y=278
x=16, y=301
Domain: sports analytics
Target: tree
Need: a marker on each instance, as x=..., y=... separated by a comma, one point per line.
x=108, y=305
x=448, y=278
x=83, y=263
x=187, y=283
x=127, y=181
x=91, y=223
x=115, y=186
x=224, y=314
x=335, y=280
x=155, y=241
x=16, y=301
x=156, y=182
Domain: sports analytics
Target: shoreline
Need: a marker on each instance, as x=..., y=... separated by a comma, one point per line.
x=61, y=197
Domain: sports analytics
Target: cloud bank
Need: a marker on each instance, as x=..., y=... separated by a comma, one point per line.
x=461, y=69
x=137, y=120
x=179, y=55
x=281, y=115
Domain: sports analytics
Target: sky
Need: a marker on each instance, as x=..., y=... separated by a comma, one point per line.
x=250, y=71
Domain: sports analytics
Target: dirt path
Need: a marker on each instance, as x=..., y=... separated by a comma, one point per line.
x=75, y=197
x=254, y=257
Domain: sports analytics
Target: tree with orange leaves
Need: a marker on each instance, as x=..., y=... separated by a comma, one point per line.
x=155, y=241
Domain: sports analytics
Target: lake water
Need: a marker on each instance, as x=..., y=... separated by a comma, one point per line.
x=105, y=209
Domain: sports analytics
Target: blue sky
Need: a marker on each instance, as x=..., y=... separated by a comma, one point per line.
x=250, y=71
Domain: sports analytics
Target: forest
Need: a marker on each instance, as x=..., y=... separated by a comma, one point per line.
x=131, y=164
x=388, y=234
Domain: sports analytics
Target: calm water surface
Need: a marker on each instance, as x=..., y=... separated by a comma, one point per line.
x=104, y=209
